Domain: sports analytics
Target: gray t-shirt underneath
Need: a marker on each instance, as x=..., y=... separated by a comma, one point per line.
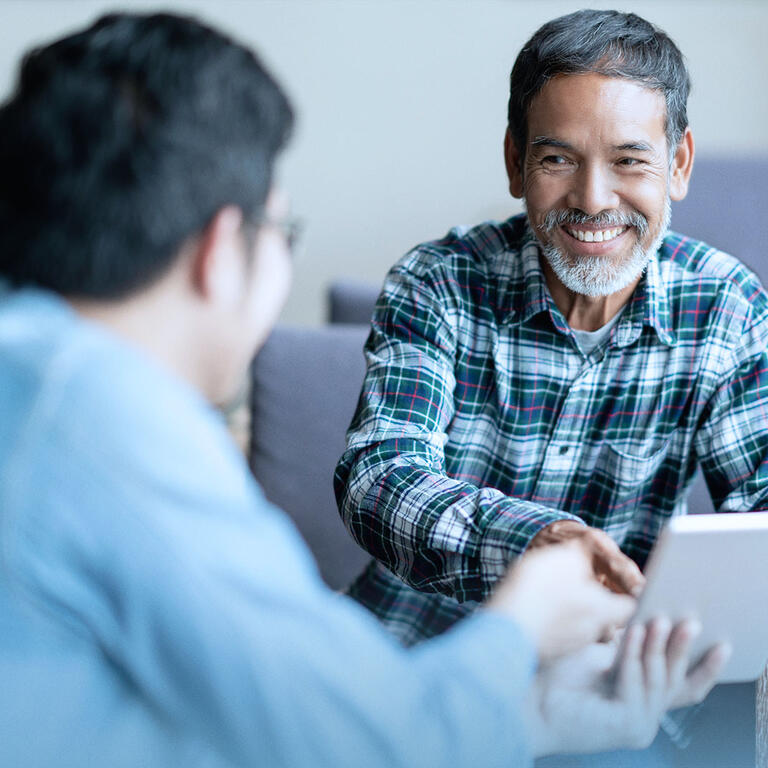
x=589, y=340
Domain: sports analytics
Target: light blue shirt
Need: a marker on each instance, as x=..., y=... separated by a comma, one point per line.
x=155, y=610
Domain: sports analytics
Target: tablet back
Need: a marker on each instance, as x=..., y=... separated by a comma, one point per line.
x=715, y=568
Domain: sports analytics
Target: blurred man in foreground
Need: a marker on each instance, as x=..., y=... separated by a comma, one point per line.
x=154, y=608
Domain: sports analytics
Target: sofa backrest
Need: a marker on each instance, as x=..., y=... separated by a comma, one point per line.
x=305, y=383
x=351, y=301
x=727, y=206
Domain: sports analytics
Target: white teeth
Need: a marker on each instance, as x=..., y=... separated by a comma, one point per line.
x=600, y=236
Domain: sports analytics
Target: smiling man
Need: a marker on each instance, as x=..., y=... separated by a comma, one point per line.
x=561, y=374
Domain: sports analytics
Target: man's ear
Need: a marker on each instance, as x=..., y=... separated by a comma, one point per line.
x=218, y=258
x=682, y=165
x=512, y=161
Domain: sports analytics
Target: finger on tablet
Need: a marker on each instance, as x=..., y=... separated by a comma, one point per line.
x=679, y=648
x=701, y=679
x=655, y=662
x=628, y=670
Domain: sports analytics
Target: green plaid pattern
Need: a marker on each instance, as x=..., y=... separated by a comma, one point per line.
x=481, y=420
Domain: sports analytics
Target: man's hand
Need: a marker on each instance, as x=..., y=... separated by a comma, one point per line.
x=591, y=701
x=553, y=595
x=610, y=565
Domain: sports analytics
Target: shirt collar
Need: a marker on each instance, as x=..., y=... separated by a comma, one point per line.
x=649, y=304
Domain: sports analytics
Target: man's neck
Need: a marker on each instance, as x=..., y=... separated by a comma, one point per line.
x=150, y=322
x=585, y=313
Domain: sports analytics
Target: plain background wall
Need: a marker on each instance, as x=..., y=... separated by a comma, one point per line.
x=402, y=105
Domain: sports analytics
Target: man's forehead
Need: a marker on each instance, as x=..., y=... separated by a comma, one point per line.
x=623, y=111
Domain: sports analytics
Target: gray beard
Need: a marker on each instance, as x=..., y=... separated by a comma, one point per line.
x=598, y=276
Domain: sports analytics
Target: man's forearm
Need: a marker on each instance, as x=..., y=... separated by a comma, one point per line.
x=436, y=533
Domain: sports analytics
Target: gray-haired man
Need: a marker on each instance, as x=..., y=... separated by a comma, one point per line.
x=560, y=375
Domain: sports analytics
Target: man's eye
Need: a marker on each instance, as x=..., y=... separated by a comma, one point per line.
x=630, y=161
x=554, y=160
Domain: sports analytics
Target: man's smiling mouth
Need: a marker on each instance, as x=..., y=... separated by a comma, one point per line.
x=595, y=235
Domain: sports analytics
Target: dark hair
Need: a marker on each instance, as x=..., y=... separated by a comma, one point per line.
x=606, y=42
x=123, y=140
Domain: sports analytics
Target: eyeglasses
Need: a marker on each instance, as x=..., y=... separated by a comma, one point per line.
x=290, y=227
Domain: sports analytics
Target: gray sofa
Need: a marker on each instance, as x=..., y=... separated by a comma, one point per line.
x=727, y=206
x=304, y=386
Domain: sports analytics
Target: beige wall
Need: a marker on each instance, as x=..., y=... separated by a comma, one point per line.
x=402, y=105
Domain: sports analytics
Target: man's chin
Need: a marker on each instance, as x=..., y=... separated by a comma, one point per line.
x=594, y=276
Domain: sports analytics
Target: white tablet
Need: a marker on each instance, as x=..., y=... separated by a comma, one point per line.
x=714, y=568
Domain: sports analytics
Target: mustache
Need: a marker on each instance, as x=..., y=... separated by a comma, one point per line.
x=558, y=217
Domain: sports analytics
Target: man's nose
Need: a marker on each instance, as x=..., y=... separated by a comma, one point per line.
x=593, y=190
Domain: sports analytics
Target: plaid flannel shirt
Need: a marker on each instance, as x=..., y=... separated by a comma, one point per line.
x=481, y=420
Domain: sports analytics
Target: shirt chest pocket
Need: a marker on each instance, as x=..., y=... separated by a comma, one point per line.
x=623, y=478
x=630, y=468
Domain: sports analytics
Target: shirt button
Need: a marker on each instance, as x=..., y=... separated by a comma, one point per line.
x=563, y=450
